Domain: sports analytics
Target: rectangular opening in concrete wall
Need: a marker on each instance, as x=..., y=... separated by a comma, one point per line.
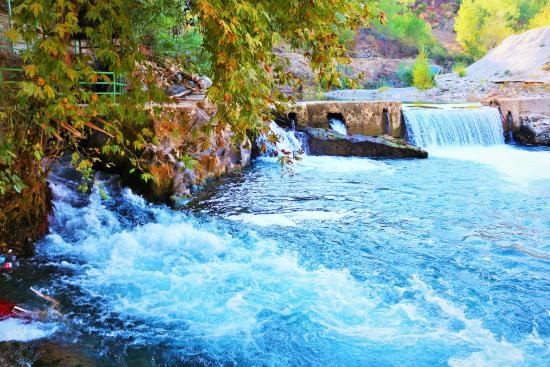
x=337, y=123
x=292, y=120
x=335, y=116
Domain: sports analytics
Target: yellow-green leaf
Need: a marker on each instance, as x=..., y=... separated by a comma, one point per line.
x=30, y=70
x=36, y=9
x=49, y=91
x=12, y=35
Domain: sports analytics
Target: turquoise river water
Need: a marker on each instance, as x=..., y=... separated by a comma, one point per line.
x=344, y=262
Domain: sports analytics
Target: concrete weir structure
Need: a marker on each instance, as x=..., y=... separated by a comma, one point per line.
x=360, y=117
x=519, y=107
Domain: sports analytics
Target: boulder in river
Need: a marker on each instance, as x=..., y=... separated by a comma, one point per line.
x=43, y=353
x=327, y=142
x=534, y=130
x=186, y=155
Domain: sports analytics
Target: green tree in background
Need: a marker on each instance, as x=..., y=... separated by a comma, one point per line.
x=541, y=19
x=404, y=25
x=482, y=24
x=422, y=77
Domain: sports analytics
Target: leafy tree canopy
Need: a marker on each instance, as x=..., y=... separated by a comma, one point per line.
x=53, y=107
x=240, y=36
x=482, y=24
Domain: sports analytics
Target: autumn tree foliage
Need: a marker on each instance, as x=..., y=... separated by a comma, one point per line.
x=54, y=104
x=240, y=36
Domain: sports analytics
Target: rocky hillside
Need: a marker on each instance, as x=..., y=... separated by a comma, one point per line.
x=438, y=14
x=378, y=53
x=520, y=58
x=518, y=67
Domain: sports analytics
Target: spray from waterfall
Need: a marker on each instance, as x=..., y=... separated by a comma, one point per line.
x=442, y=127
x=338, y=125
x=280, y=142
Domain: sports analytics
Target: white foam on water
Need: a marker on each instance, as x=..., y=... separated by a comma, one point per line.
x=23, y=331
x=189, y=280
x=516, y=165
x=264, y=220
x=289, y=219
x=493, y=352
x=341, y=165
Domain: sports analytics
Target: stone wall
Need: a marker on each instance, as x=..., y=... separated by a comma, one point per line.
x=530, y=118
x=360, y=117
x=179, y=131
x=520, y=107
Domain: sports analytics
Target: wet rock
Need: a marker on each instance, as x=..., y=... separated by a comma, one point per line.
x=181, y=185
x=246, y=152
x=326, y=142
x=210, y=154
x=534, y=130
x=42, y=353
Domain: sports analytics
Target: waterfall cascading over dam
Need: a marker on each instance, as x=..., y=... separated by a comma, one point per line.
x=437, y=127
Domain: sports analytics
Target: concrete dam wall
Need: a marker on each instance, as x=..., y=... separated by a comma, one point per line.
x=360, y=117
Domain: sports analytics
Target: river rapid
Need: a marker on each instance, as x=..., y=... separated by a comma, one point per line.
x=342, y=262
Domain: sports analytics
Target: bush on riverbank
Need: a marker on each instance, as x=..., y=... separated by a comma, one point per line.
x=460, y=69
x=422, y=78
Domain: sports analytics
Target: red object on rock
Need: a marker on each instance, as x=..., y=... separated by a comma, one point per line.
x=6, y=309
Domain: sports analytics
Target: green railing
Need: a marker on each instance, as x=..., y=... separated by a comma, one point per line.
x=115, y=85
x=9, y=70
x=2, y=38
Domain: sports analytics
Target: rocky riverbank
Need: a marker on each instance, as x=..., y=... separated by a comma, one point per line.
x=42, y=353
x=187, y=153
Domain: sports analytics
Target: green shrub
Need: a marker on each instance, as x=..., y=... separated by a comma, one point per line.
x=422, y=78
x=404, y=73
x=187, y=47
x=460, y=69
x=404, y=24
